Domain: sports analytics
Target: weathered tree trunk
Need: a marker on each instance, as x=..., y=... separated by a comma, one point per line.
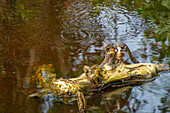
x=112, y=71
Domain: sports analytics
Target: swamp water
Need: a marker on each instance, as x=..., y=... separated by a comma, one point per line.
x=68, y=34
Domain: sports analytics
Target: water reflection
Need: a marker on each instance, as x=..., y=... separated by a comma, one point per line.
x=69, y=34
x=110, y=100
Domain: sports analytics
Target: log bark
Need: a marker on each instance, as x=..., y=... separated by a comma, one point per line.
x=111, y=72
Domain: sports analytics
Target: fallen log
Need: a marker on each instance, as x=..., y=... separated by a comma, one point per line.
x=111, y=72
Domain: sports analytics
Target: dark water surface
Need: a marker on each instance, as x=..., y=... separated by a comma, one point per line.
x=68, y=34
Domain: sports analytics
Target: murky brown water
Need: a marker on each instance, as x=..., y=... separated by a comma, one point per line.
x=69, y=34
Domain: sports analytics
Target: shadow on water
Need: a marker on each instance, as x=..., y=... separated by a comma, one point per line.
x=68, y=34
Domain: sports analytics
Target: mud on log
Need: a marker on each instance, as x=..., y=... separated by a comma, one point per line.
x=111, y=72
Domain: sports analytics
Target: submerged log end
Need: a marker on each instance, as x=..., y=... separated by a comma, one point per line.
x=162, y=67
